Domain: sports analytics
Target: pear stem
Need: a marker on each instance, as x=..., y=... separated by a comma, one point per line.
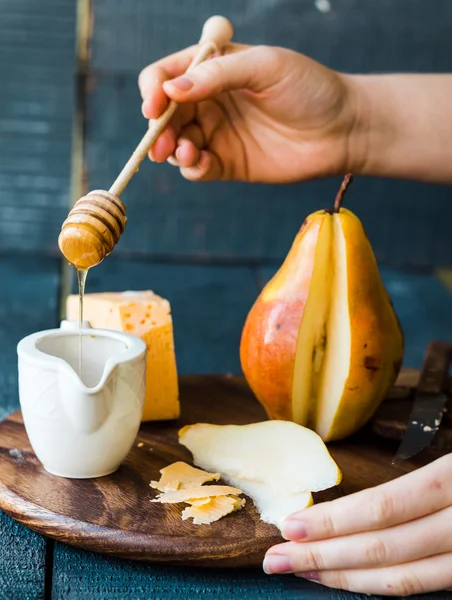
x=341, y=193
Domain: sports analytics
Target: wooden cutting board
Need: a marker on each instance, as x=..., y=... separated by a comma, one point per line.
x=114, y=515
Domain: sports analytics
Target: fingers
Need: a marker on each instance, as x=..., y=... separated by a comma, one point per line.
x=426, y=575
x=254, y=69
x=151, y=78
x=409, y=497
x=208, y=168
x=181, y=141
x=195, y=163
x=189, y=144
x=166, y=143
x=404, y=543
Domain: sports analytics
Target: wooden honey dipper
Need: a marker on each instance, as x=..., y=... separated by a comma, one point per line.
x=95, y=223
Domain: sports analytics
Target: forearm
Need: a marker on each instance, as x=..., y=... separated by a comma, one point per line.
x=403, y=126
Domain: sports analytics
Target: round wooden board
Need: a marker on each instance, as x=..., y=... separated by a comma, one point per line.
x=114, y=515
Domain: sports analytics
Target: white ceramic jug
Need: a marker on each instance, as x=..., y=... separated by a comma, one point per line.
x=81, y=428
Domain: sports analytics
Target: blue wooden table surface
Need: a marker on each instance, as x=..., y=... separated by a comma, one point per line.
x=207, y=335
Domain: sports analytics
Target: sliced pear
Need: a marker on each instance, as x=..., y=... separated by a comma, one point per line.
x=336, y=364
x=322, y=343
x=310, y=348
x=349, y=337
x=322, y=360
x=285, y=456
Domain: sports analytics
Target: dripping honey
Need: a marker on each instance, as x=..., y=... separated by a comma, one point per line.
x=81, y=278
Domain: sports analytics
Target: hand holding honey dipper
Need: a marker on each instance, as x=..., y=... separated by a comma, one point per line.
x=97, y=220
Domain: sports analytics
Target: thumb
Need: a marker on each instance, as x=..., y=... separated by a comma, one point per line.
x=253, y=69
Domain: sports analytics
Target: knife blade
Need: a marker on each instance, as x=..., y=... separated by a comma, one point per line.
x=429, y=401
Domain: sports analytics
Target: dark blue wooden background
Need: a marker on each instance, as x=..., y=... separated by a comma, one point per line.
x=209, y=248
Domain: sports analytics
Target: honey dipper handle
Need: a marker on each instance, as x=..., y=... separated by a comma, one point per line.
x=216, y=33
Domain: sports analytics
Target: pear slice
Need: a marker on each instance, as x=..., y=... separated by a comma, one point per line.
x=273, y=506
x=322, y=359
x=349, y=343
x=285, y=456
x=336, y=364
x=311, y=340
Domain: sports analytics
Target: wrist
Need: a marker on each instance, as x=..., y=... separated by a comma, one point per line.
x=377, y=138
x=360, y=137
x=400, y=126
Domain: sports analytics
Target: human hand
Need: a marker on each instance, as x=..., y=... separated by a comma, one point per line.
x=256, y=114
x=393, y=539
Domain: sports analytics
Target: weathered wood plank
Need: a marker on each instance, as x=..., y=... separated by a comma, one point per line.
x=170, y=216
x=209, y=306
x=82, y=575
x=28, y=303
x=128, y=35
x=22, y=562
x=37, y=56
x=423, y=305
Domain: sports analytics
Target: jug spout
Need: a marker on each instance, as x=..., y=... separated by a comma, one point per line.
x=86, y=409
x=87, y=397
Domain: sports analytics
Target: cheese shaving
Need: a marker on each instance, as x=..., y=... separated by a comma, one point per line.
x=199, y=501
x=212, y=511
x=174, y=497
x=180, y=475
x=181, y=482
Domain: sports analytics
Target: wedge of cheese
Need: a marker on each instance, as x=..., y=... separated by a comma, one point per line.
x=147, y=316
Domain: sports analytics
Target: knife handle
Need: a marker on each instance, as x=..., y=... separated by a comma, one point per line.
x=435, y=370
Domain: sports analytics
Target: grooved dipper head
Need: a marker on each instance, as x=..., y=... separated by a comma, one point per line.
x=92, y=229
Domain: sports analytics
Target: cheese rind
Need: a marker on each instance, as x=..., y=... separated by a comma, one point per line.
x=148, y=316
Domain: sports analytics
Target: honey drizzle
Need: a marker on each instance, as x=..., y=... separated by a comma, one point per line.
x=81, y=277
